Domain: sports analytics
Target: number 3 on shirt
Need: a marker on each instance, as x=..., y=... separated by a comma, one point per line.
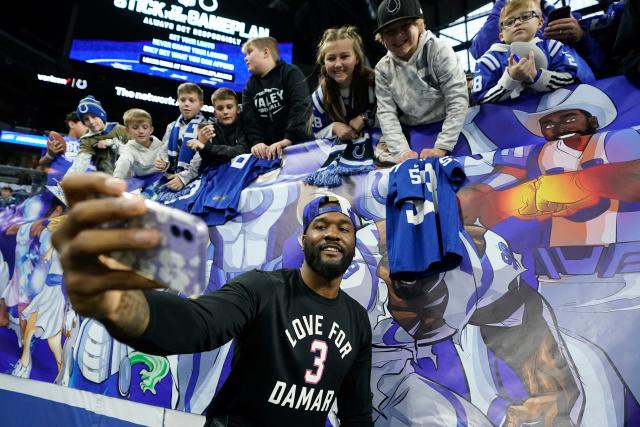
x=317, y=346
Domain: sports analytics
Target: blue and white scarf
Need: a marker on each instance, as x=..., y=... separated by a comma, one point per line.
x=178, y=152
x=346, y=158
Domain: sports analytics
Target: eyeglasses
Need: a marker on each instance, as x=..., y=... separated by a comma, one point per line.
x=510, y=22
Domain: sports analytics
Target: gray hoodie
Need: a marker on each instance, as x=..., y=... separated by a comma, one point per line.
x=425, y=93
x=137, y=160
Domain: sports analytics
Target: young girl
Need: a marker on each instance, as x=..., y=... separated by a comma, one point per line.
x=344, y=102
x=343, y=106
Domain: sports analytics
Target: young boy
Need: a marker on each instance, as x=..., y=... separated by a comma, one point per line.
x=58, y=146
x=177, y=154
x=138, y=157
x=275, y=100
x=75, y=125
x=6, y=197
x=220, y=142
x=101, y=143
x=500, y=74
x=418, y=81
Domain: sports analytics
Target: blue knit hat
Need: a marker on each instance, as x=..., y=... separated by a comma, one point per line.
x=90, y=105
x=332, y=203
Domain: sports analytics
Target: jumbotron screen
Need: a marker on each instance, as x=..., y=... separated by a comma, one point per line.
x=186, y=40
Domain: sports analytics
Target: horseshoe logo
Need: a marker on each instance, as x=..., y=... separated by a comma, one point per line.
x=358, y=151
x=393, y=6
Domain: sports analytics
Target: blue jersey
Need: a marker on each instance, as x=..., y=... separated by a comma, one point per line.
x=423, y=223
x=219, y=195
x=322, y=123
x=492, y=82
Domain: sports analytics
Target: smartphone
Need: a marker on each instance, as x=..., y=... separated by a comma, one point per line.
x=180, y=261
x=559, y=13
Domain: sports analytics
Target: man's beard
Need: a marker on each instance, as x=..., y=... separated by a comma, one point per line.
x=327, y=270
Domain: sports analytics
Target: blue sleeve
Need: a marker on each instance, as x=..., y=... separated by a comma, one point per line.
x=488, y=34
x=408, y=182
x=488, y=84
x=561, y=71
x=320, y=120
x=561, y=58
x=454, y=171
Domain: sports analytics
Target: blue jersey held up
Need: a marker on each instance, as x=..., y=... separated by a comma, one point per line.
x=423, y=223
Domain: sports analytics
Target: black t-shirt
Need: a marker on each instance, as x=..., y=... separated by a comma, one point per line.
x=295, y=351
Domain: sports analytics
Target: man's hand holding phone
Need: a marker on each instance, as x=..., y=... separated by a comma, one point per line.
x=113, y=245
x=94, y=288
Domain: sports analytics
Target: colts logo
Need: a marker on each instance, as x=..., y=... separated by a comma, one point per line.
x=507, y=256
x=359, y=149
x=393, y=6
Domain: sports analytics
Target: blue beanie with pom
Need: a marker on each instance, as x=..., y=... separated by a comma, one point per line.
x=90, y=105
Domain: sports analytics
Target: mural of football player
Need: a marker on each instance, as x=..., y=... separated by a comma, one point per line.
x=421, y=339
x=570, y=207
x=458, y=365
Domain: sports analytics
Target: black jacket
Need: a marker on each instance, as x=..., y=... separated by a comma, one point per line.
x=229, y=142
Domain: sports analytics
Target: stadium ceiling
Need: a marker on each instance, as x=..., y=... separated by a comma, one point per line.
x=438, y=13
x=52, y=22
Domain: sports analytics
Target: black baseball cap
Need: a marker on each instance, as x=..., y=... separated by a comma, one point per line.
x=391, y=11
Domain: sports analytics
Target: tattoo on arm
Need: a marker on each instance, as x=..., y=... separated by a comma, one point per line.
x=132, y=317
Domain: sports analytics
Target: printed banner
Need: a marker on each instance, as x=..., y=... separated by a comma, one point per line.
x=536, y=326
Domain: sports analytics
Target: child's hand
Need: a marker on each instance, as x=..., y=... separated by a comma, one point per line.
x=175, y=183
x=104, y=143
x=407, y=155
x=523, y=70
x=433, y=152
x=195, y=145
x=260, y=150
x=357, y=123
x=275, y=150
x=161, y=164
x=206, y=133
x=344, y=132
x=55, y=143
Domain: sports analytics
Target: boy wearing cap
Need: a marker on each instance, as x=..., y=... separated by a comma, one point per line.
x=418, y=81
x=500, y=74
x=301, y=342
x=101, y=143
